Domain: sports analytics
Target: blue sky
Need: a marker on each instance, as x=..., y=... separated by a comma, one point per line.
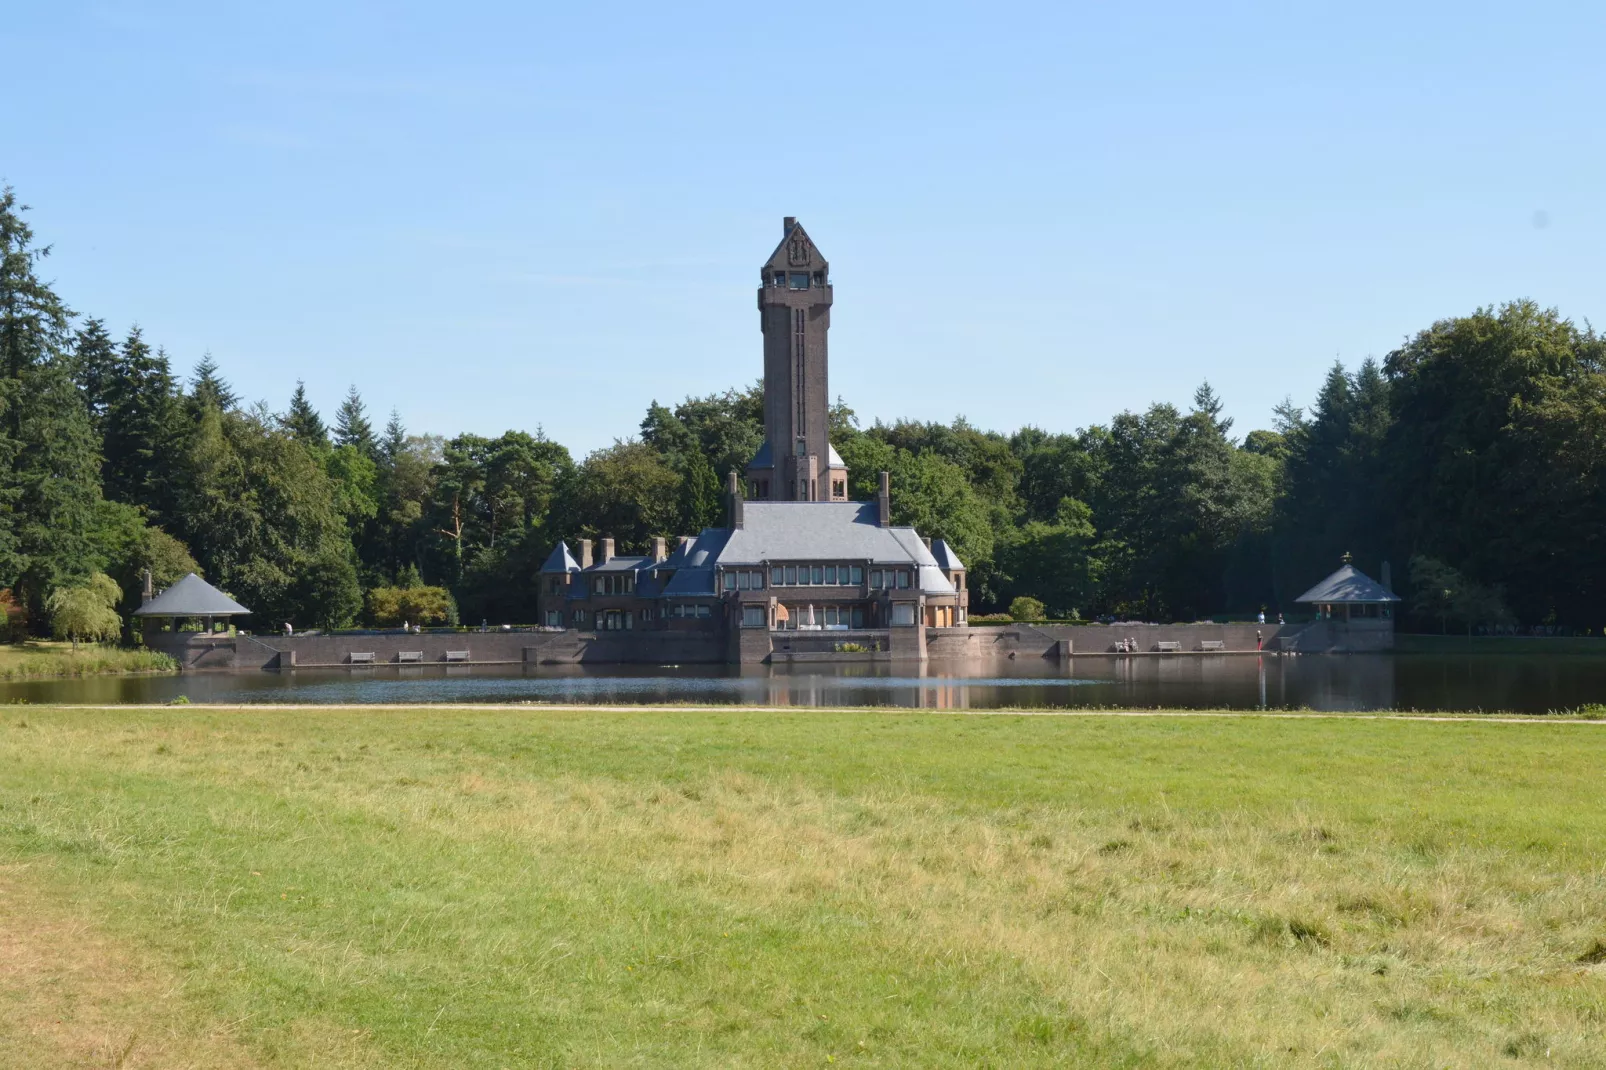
x=495, y=215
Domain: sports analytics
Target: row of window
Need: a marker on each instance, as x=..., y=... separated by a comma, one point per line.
x=621, y=619
x=818, y=576
x=613, y=583
x=795, y=280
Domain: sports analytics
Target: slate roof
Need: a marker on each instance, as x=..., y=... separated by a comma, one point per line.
x=192, y=597
x=947, y=560
x=621, y=563
x=560, y=560
x=780, y=531
x=1349, y=584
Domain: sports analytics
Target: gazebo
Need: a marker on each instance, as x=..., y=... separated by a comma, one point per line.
x=191, y=598
x=1359, y=595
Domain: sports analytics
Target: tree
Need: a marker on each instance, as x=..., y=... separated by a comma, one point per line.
x=303, y=421
x=352, y=427
x=57, y=480
x=1439, y=591
x=390, y=606
x=208, y=387
x=33, y=332
x=94, y=367
x=1027, y=608
x=86, y=610
x=142, y=426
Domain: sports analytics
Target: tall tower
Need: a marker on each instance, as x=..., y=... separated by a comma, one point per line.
x=796, y=462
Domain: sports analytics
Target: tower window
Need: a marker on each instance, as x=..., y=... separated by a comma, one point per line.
x=798, y=280
x=780, y=278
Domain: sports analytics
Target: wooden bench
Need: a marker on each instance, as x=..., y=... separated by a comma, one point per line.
x=360, y=659
x=457, y=655
x=1209, y=645
x=410, y=655
x=1168, y=648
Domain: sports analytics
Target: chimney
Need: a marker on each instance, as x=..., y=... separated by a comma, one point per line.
x=788, y=224
x=733, y=496
x=884, y=501
x=1388, y=577
x=147, y=590
x=660, y=547
x=684, y=541
x=607, y=552
x=585, y=553
x=927, y=540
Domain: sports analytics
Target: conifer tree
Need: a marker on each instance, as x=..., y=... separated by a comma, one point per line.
x=58, y=482
x=352, y=427
x=140, y=427
x=303, y=421
x=95, y=363
x=210, y=388
x=395, y=439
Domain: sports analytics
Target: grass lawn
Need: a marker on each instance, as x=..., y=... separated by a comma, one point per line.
x=43, y=658
x=387, y=887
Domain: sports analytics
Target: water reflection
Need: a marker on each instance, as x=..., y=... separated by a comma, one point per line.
x=1359, y=682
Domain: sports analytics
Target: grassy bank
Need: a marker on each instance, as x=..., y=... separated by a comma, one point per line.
x=392, y=887
x=20, y=661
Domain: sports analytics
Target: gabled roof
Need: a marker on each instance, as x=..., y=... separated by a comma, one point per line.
x=1349, y=584
x=560, y=560
x=797, y=252
x=192, y=597
x=947, y=560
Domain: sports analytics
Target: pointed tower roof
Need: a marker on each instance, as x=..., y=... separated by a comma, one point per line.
x=560, y=560
x=797, y=251
x=1349, y=584
x=947, y=560
x=192, y=597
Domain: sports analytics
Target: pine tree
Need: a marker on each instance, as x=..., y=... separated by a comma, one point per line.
x=94, y=365
x=140, y=427
x=352, y=427
x=33, y=332
x=210, y=388
x=303, y=421
x=58, y=482
x=395, y=440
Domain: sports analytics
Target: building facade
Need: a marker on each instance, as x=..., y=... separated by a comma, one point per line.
x=795, y=557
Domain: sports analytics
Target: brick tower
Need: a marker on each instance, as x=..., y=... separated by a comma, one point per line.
x=796, y=462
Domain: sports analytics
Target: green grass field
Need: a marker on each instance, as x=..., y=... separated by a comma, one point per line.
x=43, y=658
x=384, y=887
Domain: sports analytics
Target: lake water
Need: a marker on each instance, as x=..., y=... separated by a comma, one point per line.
x=1515, y=682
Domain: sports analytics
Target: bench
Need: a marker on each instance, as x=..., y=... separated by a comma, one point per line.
x=409, y=655
x=361, y=659
x=457, y=655
x=1168, y=648
x=1208, y=645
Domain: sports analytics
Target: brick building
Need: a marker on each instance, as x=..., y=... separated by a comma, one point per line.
x=794, y=556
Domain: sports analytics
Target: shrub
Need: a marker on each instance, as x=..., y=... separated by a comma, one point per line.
x=390, y=606
x=1027, y=608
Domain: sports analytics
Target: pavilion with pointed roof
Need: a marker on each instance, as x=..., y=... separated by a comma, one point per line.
x=191, y=598
x=1352, y=591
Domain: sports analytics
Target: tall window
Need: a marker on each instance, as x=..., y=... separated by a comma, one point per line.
x=799, y=329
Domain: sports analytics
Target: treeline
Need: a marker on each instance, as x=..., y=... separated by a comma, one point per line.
x=1473, y=458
